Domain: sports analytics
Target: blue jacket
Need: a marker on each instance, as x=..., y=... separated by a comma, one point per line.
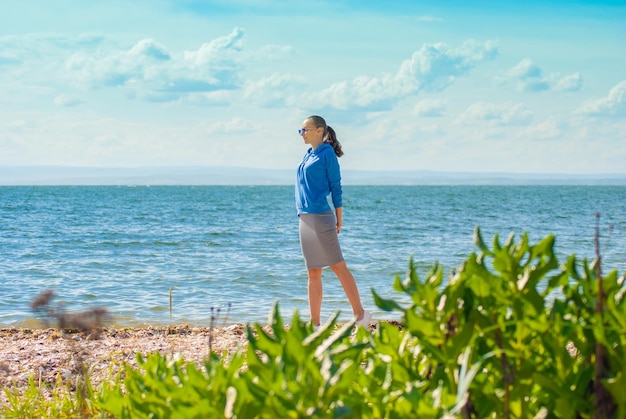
x=318, y=176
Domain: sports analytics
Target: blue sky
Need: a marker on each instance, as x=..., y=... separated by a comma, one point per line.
x=446, y=86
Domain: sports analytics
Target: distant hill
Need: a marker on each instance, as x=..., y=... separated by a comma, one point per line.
x=56, y=175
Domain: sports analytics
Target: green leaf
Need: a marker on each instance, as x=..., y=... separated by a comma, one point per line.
x=276, y=322
x=617, y=387
x=386, y=304
x=480, y=243
x=479, y=286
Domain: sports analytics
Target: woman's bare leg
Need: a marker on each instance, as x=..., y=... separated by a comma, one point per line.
x=349, y=286
x=315, y=294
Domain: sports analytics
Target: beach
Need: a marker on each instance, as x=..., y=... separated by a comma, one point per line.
x=44, y=354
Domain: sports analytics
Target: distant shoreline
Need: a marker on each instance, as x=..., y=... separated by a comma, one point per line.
x=196, y=176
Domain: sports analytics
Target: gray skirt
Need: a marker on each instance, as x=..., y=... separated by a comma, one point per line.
x=319, y=241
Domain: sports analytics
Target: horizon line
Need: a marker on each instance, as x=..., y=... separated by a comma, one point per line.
x=252, y=168
x=227, y=175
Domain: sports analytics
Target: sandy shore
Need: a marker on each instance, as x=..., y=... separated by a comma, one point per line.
x=45, y=353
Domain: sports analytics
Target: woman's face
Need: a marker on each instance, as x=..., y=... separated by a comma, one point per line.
x=310, y=133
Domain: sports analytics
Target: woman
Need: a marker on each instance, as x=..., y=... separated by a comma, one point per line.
x=318, y=176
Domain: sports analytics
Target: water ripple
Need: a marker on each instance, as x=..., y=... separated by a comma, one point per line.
x=126, y=248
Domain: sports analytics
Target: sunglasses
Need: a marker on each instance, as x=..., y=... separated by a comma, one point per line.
x=303, y=130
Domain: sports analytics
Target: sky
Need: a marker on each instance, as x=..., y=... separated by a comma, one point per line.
x=454, y=86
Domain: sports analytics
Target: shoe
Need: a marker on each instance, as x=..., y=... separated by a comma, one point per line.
x=365, y=321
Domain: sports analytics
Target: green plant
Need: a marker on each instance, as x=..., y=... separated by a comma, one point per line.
x=295, y=373
x=289, y=373
x=38, y=400
x=532, y=328
x=165, y=387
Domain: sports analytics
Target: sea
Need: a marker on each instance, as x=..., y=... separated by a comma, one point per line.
x=219, y=255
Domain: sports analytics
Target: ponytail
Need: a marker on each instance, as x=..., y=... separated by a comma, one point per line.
x=330, y=136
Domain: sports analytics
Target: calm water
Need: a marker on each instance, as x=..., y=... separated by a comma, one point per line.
x=126, y=247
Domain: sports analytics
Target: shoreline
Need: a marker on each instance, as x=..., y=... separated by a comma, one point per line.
x=44, y=354
x=47, y=353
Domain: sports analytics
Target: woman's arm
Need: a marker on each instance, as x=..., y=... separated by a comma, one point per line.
x=339, y=212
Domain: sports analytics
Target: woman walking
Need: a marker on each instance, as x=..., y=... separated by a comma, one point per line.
x=319, y=176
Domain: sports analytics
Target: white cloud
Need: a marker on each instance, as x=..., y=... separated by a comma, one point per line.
x=153, y=73
x=433, y=67
x=68, y=101
x=218, y=51
x=570, y=83
x=530, y=78
x=235, y=125
x=437, y=65
x=430, y=108
x=149, y=49
x=549, y=129
x=612, y=105
x=175, y=87
x=274, y=91
x=506, y=114
x=219, y=98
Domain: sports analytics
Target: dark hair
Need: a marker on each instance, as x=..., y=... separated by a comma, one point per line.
x=330, y=136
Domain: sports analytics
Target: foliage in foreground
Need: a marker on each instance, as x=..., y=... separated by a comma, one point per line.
x=511, y=334
x=533, y=330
